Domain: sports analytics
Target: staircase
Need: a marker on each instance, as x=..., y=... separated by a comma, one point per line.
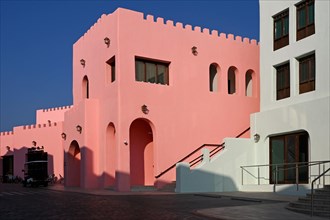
x=321, y=203
x=143, y=188
x=168, y=187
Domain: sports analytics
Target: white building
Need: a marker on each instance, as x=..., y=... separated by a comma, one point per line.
x=293, y=124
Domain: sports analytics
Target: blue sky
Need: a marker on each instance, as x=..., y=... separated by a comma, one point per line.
x=36, y=39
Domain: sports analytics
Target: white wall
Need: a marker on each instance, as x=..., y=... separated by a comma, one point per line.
x=222, y=173
x=318, y=42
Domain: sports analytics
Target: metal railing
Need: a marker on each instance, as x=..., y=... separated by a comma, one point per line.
x=283, y=167
x=312, y=190
x=217, y=148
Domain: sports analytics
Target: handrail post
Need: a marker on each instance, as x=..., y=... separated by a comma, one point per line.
x=324, y=176
x=312, y=199
x=242, y=175
x=258, y=175
x=319, y=173
x=297, y=176
x=275, y=175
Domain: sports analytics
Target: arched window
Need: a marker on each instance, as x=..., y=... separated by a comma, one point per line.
x=232, y=80
x=85, y=88
x=248, y=83
x=214, y=75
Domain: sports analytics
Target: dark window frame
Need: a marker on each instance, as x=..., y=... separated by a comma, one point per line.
x=308, y=27
x=112, y=68
x=157, y=74
x=283, y=39
x=283, y=81
x=307, y=84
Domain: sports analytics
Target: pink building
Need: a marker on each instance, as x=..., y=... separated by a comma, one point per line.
x=147, y=92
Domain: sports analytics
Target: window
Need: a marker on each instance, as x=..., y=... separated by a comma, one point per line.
x=248, y=83
x=305, y=19
x=281, y=29
x=213, y=75
x=307, y=74
x=283, y=81
x=85, y=88
x=232, y=80
x=151, y=71
x=111, y=70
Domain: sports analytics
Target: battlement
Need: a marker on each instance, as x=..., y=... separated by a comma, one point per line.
x=57, y=108
x=50, y=124
x=199, y=30
x=170, y=24
x=6, y=133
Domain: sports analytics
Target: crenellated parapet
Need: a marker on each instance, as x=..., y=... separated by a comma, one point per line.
x=50, y=124
x=198, y=30
x=170, y=24
x=4, y=133
x=57, y=108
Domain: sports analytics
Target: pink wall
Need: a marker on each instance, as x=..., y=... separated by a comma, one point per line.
x=51, y=114
x=184, y=114
x=47, y=135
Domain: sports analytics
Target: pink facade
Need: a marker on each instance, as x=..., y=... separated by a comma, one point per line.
x=204, y=88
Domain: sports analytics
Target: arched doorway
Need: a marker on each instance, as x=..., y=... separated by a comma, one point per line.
x=73, y=163
x=141, y=153
x=110, y=157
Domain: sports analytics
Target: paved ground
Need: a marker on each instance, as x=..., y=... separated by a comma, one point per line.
x=57, y=202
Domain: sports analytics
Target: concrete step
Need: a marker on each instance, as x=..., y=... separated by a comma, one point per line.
x=305, y=211
x=327, y=187
x=168, y=187
x=319, y=196
x=307, y=206
x=316, y=201
x=143, y=188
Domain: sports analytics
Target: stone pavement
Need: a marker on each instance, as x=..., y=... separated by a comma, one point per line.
x=270, y=211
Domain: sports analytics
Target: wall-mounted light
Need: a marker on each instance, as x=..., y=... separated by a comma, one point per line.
x=79, y=129
x=8, y=148
x=144, y=109
x=256, y=138
x=63, y=136
x=107, y=41
x=34, y=143
x=83, y=62
x=194, y=50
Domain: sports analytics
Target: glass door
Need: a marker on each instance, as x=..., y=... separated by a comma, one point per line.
x=287, y=150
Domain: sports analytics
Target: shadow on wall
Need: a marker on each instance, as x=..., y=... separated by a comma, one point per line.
x=78, y=169
x=13, y=164
x=198, y=180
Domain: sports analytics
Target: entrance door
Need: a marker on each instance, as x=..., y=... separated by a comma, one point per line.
x=289, y=149
x=8, y=168
x=141, y=154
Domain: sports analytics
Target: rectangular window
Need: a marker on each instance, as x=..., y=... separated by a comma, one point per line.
x=281, y=29
x=151, y=71
x=283, y=81
x=307, y=74
x=111, y=69
x=305, y=19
